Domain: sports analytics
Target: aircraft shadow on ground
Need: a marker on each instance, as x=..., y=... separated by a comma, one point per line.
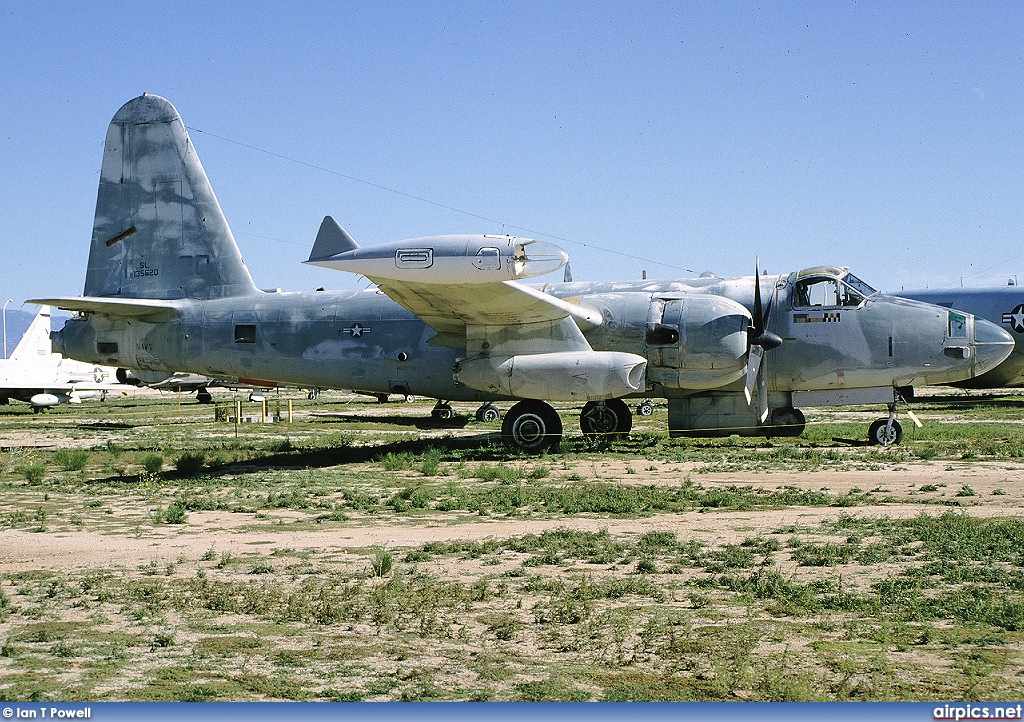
x=419, y=422
x=482, y=447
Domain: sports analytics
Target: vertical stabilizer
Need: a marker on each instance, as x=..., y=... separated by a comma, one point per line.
x=159, y=231
x=34, y=348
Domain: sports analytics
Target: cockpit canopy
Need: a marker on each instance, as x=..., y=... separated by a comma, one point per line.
x=829, y=287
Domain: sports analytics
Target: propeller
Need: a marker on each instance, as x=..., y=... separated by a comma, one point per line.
x=760, y=340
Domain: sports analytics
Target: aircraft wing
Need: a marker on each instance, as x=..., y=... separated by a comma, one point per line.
x=466, y=288
x=505, y=317
x=450, y=308
x=518, y=341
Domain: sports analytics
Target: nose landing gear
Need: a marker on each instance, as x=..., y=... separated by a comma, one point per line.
x=886, y=432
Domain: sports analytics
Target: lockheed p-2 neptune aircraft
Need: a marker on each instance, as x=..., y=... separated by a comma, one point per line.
x=166, y=290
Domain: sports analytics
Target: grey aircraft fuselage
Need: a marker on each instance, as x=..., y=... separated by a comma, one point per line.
x=1002, y=305
x=166, y=291
x=364, y=340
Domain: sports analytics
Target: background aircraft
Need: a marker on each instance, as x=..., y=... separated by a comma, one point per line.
x=34, y=374
x=166, y=289
x=1003, y=305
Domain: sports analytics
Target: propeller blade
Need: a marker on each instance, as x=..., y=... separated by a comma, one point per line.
x=758, y=317
x=762, y=392
x=753, y=367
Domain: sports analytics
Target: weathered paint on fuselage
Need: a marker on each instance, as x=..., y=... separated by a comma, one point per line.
x=360, y=340
x=363, y=340
x=884, y=341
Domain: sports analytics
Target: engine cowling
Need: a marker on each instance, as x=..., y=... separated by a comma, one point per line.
x=699, y=342
x=560, y=376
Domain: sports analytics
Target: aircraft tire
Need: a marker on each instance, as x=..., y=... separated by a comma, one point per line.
x=791, y=422
x=877, y=435
x=488, y=413
x=645, y=408
x=606, y=418
x=531, y=426
x=442, y=411
x=203, y=396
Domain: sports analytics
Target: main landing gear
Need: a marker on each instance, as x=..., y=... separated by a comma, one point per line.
x=534, y=426
x=531, y=426
x=610, y=418
x=488, y=413
x=442, y=411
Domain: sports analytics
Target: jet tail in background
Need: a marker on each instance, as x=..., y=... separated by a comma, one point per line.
x=34, y=347
x=159, y=232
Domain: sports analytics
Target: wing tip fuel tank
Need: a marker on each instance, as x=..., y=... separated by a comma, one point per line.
x=455, y=259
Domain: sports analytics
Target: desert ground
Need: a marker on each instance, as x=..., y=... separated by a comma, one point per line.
x=149, y=552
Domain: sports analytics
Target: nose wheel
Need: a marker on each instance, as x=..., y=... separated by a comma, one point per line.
x=886, y=432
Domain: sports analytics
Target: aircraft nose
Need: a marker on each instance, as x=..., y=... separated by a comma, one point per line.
x=992, y=345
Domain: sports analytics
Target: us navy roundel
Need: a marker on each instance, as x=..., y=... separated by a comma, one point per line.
x=1015, y=318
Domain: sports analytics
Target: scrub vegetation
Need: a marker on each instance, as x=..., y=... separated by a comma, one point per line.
x=362, y=553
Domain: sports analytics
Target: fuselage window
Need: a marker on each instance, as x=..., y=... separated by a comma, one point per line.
x=106, y=348
x=245, y=333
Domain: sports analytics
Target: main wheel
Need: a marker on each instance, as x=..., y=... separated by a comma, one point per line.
x=603, y=418
x=442, y=411
x=203, y=396
x=488, y=413
x=790, y=422
x=645, y=408
x=877, y=433
x=532, y=426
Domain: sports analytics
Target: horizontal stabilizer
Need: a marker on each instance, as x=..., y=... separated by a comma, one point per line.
x=331, y=240
x=126, y=307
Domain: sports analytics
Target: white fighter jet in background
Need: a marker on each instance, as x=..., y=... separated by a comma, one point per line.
x=36, y=375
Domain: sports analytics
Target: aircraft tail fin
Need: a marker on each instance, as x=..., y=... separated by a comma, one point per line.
x=331, y=240
x=159, y=231
x=34, y=346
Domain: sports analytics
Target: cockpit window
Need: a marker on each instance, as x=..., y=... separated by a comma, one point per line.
x=826, y=293
x=863, y=288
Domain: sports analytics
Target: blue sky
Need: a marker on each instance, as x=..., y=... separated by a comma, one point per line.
x=671, y=137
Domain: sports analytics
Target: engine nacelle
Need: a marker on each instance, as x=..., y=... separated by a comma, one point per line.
x=697, y=342
x=561, y=376
x=692, y=340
